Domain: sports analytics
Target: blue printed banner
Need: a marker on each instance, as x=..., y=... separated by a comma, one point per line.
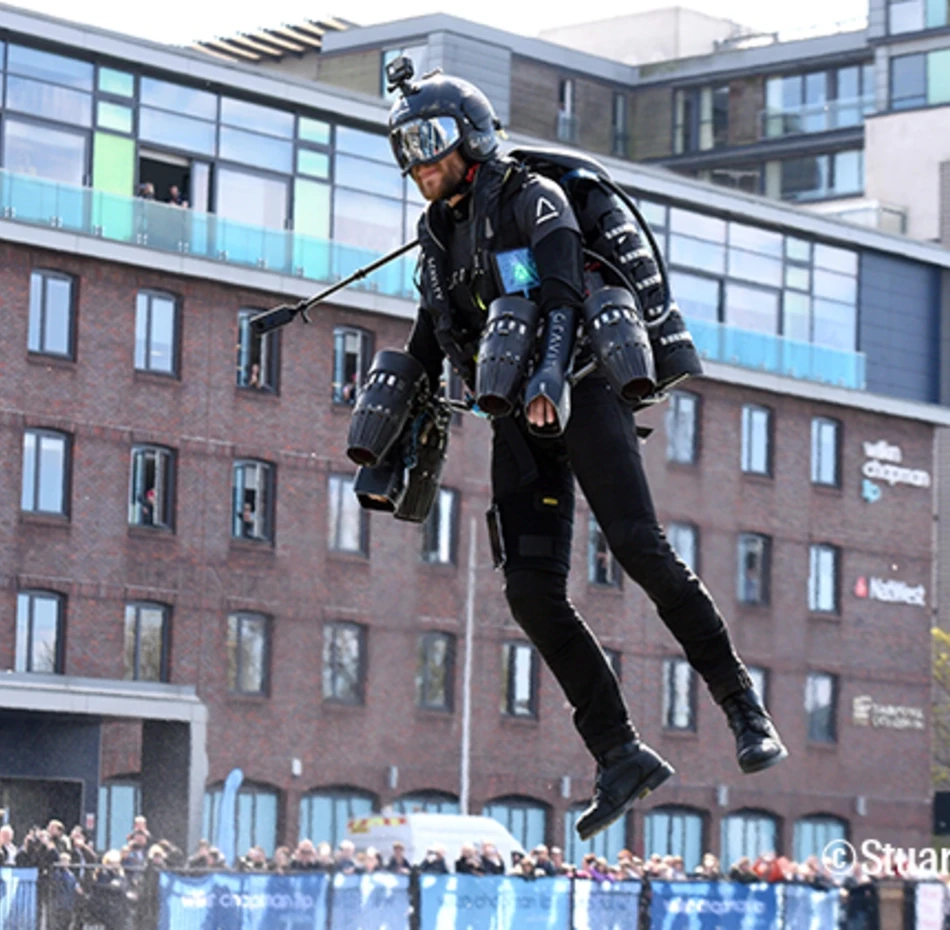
x=239, y=901
x=18, y=899
x=467, y=902
x=606, y=905
x=808, y=908
x=370, y=902
x=713, y=906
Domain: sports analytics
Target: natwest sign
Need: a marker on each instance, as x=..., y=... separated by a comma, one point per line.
x=891, y=592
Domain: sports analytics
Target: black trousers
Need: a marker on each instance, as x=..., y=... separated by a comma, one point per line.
x=533, y=491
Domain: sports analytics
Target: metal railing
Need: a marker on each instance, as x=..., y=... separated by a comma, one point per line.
x=814, y=117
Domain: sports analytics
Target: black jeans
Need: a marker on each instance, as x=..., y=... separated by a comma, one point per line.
x=533, y=490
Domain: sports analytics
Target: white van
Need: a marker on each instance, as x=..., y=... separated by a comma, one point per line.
x=420, y=832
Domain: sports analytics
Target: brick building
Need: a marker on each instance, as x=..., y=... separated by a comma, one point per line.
x=187, y=586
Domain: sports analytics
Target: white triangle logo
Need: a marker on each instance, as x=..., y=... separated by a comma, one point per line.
x=545, y=211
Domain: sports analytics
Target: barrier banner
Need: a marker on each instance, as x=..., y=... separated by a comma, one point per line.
x=242, y=901
x=713, y=906
x=606, y=905
x=808, y=908
x=492, y=902
x=18, y=899
x=930, y=901
x=370, y=902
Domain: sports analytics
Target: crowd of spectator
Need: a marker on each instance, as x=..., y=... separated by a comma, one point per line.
x=80, y=886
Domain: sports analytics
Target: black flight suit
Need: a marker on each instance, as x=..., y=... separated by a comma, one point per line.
x=533, y=478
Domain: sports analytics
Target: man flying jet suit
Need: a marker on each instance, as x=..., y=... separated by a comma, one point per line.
x=514, y=297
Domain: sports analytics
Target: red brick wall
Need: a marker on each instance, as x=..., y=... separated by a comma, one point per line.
x=100, y=563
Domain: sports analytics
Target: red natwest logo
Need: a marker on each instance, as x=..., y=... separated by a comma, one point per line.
x=861, y=587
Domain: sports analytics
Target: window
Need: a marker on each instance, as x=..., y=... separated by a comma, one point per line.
x=253, y=200
x=324, y=813
x=602, y=567
x=566, y=130
x=813, y=834
x=39, y=632
x=253, y=494
x=146, y=642
x=701, y=117
x=248, y=653
x=821, y=698
x=825, y=451
x=256, y=355
x=255, y=816
x=427, y=802
x=120, y=802
x=54, y=154
x=756, y=440
x=618, y=126
x=823, y=579
x=440, y=531
x=682, y=428
x=525, y=819
x=520, y=680
x=675, y=831
x=679, y=695
x=908, y=81
x=351, y=356
x=760, y=681
x=45, y=472
x=754, y=557
x=348, y=526
x=917, y=15
x=435, y=674
x=156, y=336
x=150, y=488
x=344, y=662
x=51, y=314
x=748, y=833
x=684, y=538
x=607, y=844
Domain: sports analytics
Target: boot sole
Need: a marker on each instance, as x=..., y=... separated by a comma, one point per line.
x=765, y=763
x=653, y=781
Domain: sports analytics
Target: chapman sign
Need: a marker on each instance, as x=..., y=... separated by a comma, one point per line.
x=866, y=712
x=891, y=592
x=884, y=465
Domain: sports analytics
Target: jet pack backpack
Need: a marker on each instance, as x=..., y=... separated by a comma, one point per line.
x=620, y=251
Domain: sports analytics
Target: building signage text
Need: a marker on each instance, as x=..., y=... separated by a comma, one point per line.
x=866, y=712
x=891, y=591
x=883, y=463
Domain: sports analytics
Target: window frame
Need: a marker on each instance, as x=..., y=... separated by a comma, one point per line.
x=269, y=350
x=38, y=433
x=678, y=414
x=339, y=377
x=337, y=797
x=519, y=808
x=269, y=472
x=59, y=659
x=607, y=843
x=330, y=629
x=334, y=532
x=747, y=815
x=818, y=424
x=166, y=521
x=764, y=598
x=677, y=815
x=150, y=295
x=426, y=640
x=236, y=619
x=598, y=546
x=164, y=672
x=432, y=527
x=44, y=275
x=763, y=673
x=684, y=526
x=510, y=650
x=815, y=551
x=819, y=823
x=211, y=812
x=747, y=456
x=669, y=702
x=811, y=682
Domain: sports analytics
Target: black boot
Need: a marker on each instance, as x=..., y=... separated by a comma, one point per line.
x=625, y=774
x=758, y=745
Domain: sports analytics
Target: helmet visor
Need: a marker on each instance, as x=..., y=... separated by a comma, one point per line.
x=421, y=141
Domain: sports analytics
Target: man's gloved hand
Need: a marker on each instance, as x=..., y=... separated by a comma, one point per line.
x=547, y=395
x=541, y=412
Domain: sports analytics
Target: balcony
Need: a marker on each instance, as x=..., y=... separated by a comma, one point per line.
x=816, y=117
x=38, y=202
x=778, y=355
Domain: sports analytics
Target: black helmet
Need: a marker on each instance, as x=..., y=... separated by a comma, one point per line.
x=438, y=115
